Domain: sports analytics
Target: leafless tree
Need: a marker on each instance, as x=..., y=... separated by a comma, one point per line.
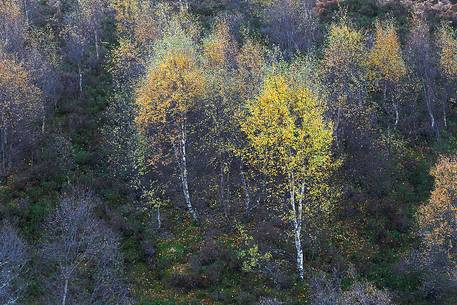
x=292, y=25
x=12, y=26
x=326, y=290
x=13, y=259
x=77, y=43
x=423, y=62
x=83, y=254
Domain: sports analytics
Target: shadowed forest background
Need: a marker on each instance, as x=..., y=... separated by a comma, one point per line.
x=228, y=152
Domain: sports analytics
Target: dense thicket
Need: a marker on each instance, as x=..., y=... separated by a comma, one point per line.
x=228, y=152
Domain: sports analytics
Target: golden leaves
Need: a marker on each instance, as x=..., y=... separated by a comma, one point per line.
x=448, y=55
x=344, y=47
x=437, y=218
x=286, y=131
x=19, y=98
x=385, y=58
x=220, y=45
x=10, y=9
x=15, y=83
x=250, y=62
x=169, y=90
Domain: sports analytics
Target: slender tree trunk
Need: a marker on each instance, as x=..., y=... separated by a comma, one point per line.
x=299, y=250
x=80, y=78
x=222, y=186
x=445, y=102
x=297, y=209
x=247, y=197
x=444, y=114
x=397, y=114
x=97, y=47
x=184, y=176
x=65, y=292
x=159, y=221
x=337, y=125
x=43, y=119
x=26, y=11
x=428, y=100
x=5, y=152
x=3, y=149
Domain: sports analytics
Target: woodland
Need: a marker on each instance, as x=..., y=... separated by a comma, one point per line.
x=262, y=152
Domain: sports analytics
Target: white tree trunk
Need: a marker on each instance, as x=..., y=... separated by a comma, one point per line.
x=445, y=112
x=428, y=100
x=4, y=143
x=184, y=178
x=299, y=251
x=397, y=114
x=159, y=221
x=65, y=292
x=247, y=197
x=26, y=11
x=97, y=47
x=3, y=147
x=80, y=78
x=337, y=126
x=297, y=211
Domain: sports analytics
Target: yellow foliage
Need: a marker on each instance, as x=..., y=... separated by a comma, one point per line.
x=169, y=90
x=16, y=88
x=438, y=217
x=286, y=132
x=344, y=64
x=125, y=52
x=250, y=62
x=448, y=54
x=10, y=9
x=344, y=47
x=220, y=44
x=385, y=59
x=125, y=11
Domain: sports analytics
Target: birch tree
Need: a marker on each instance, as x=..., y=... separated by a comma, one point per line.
x=13, y=259
x=219, y=50
x=83, y=255
x=164, y=99
x=422, y=60
x=344, y=71
x=437, y=227
x=327, y=290
x=292, y=24
x=76, y=42
x=447, y=42
x=20, y=108
x=289, y=139
x=93, y=12
x=387, y=67
x=12, y=26
x=250, y=72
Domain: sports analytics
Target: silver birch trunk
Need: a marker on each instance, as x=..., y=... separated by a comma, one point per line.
x=247, y=197
x=445, y=109
x=184, y=176
x=297, y=211
x=299, y=250
x=159, y=221
x=3, y=146
x=337, y=125
x=4, y=149
x=26, y=11
x=65, y=292
x=97, y=47
x=397, y=114
x=80, y=78
x=428, y=100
